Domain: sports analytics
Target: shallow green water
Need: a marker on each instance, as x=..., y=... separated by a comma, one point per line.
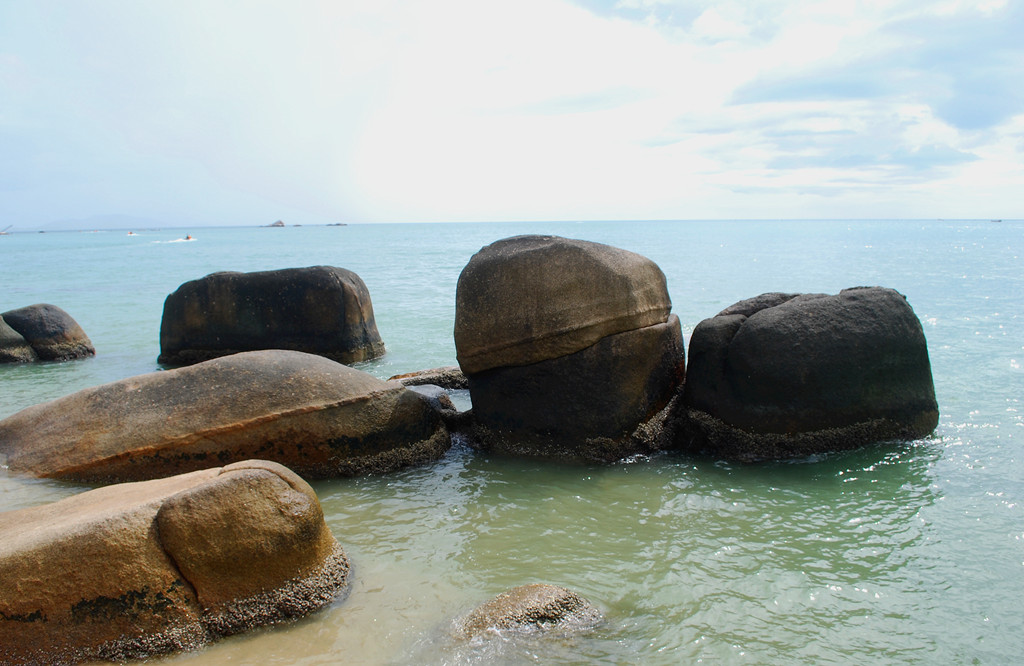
x=900, y=553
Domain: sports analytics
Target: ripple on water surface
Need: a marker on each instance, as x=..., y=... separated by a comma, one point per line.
x=897, y=553
x=689, y=559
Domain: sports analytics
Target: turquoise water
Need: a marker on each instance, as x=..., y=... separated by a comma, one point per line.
x=906, y=553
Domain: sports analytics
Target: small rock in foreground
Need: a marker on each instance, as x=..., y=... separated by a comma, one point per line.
x=528, y=609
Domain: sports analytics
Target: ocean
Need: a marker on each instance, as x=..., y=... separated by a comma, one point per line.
x=897, y=553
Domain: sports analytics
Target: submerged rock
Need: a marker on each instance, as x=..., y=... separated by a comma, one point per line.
x=784, y=375
x=448, y=377
x=438, y=386
x=42, y=332
x=569, y=348
x=528, y=609
x=320, y=310
x=320, y=418
x=138, y=569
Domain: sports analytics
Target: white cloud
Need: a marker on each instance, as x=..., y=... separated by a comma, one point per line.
x=715, y=25
x=461, y=109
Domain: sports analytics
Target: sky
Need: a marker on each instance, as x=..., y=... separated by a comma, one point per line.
x=218, y=112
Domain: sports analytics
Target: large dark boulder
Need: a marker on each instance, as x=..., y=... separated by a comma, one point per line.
x=589, y=405
x=320, y=310
x=49, y=331
x=784, y=375
x=318, y=417
x=137, y=569
x=568, y=346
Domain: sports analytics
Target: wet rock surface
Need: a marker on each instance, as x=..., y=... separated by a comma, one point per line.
x=528, y=609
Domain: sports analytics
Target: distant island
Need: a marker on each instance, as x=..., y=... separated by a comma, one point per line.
x=280, y=223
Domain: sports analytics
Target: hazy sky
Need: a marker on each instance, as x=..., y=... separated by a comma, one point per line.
x=213, y=112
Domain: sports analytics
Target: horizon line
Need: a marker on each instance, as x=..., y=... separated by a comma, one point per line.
x=85, y=228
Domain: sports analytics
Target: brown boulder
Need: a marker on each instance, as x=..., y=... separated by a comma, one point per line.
x=136, y=569
x=568, y=346
x=530, y=298
x=318, y=417
x=320, y=310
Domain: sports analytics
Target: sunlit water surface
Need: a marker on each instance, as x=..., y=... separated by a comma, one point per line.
x=906, y=553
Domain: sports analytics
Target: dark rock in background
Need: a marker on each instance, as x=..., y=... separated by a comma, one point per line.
x=319, y=310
